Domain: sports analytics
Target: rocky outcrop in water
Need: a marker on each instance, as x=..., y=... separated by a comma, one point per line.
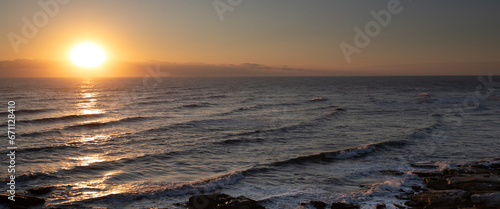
x=221, y=201
x=466, y=186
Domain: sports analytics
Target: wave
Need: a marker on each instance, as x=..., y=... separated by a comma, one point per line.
x=25, y=111
x=329, y=156
x=239, y=141
x=56, y=119
x=97, y=124
x=46, y=148
x=203, y=104
x=218, y=96
x=152, y=102
x=52, y=132
x=423, y=133
x=270, y=130
x=313, y=158
x=154, y=190
x=32, y=176
x=92, y=124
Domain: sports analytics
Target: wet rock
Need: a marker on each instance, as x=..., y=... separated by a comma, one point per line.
x=339, y=205
x=475, y=183
x=458, y=171
x=440, y=198
x=438, y=183
x=21, y=200
x=403, y=196
x=486, y=200
x=424, y=164
x=427, y=174
x=470, y=185
x=380, y=206
x=399, y=206
x=315, y=204
x=40, y=190
x=181, y=204
x=416, y=188
x=221, y=201
x=392, y=172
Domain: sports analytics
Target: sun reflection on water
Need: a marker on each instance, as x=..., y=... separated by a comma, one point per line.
x=96, y=188
x=95, y=138
x=89, y=104
x=87, y=160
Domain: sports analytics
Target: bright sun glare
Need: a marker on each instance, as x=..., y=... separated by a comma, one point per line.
x=87, y=55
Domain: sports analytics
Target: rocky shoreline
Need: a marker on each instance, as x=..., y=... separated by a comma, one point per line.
x=463, y=186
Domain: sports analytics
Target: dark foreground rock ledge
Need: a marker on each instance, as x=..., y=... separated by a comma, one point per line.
x=221, y=201
x=224, y=201
x=466, y=186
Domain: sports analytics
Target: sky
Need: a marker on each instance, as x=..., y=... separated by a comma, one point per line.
x=252, y=37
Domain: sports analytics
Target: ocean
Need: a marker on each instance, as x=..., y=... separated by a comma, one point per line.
x=154, y=142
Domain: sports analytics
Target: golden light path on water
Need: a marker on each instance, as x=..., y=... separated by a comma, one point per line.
x=89, y=105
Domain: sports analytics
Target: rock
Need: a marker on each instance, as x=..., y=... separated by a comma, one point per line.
x=413, y=204
x=221, y=201
x=40, y=190
x=202, y=201
x=427, y=174
x=438, y=183
x=440, y=198
x=21, y=200
x=486, y=200
x=180, y=204
x=315, y=204
x=424, y=164
x=399, y=206
x=452, y=187
x=380, y=206
x=403, y=196
x=240, y=203
x=475, y=183
x=392, y=172
x=416, y=188
x=339, y=205
x=458, y=171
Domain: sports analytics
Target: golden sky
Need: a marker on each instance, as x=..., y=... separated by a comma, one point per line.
x=253, y=37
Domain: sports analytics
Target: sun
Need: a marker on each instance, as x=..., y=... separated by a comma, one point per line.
x=87, y=55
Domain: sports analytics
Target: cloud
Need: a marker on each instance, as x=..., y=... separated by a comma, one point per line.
x=52, y=68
